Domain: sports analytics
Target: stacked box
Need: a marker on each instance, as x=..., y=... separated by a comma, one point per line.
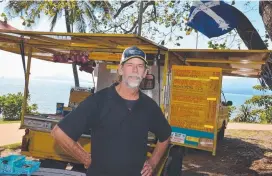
x=17, y=164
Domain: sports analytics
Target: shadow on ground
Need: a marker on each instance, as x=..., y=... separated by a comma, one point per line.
x=235, y=157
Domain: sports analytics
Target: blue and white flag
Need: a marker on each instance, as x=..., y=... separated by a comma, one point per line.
x=212, y=18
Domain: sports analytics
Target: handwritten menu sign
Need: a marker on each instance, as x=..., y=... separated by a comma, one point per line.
x=194, y=95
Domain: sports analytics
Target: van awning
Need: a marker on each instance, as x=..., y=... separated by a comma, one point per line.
x=243, y=63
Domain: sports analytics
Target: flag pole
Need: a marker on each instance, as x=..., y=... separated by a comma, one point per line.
x=196, y=39
x=140, y=18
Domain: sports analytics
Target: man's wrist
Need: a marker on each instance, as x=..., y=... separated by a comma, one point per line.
x=152, y=163
x=87, y=161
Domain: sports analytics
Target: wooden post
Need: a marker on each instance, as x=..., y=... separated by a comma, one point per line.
x=26, y=85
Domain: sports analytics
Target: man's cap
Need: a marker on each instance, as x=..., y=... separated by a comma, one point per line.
x=133, y=52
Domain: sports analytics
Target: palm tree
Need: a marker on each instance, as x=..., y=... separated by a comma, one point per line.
x=79, y=14
x=245, y=114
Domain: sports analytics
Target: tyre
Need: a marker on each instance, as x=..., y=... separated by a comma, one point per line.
x=173, y=165
x=221, y=133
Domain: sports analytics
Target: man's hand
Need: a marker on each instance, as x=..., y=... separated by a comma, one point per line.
x=87, y=163
x=147, y=169
x=152, y=162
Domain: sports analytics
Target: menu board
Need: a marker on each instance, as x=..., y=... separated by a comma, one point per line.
x=195, y=93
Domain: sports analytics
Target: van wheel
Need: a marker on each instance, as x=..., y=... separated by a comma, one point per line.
x=173, y=165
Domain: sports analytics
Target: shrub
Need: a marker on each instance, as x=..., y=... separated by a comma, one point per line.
x=11, y=106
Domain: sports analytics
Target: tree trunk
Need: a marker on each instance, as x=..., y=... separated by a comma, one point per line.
x=68, y=27
x=248, y=33
x=265, y=10
x=253, y=41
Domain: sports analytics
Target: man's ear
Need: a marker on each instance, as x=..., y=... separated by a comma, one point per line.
x=120, y=69
x=145, y=73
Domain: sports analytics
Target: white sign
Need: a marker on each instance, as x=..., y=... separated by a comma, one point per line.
x=37, y=124
x=178, y=137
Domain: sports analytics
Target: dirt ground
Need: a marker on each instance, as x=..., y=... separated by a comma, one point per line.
x=249, y=126
x=10, y=133
x=241, y=153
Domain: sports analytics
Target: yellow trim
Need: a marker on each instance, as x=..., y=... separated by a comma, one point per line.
x=208, y=126
x=193, y=139
x=214, y=78
x=198, y=68
x=115, y=67
x=211, y=99
x=217, y=115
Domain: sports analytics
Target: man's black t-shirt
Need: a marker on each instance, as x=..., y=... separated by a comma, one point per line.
x=130, y=104
x=118, y=135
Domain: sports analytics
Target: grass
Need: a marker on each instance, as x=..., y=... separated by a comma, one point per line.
x=249, y=133
x=9, y=121
x=251, y=123
x=12, y=146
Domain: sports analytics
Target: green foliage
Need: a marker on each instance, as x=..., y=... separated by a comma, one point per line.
x=4, y=16
x=162, y=21
x=262, y=104
x=78, y=13
x=231, y=110
x=245, y=114
x=214, y=45
x=11, y=106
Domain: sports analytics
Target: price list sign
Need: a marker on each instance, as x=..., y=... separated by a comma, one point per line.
x=194, y=97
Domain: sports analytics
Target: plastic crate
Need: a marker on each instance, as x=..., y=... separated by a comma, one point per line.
x=17, y=164
x=8, y=163
x=27, y=167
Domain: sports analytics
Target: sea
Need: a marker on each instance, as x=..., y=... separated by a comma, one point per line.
x=47, y=92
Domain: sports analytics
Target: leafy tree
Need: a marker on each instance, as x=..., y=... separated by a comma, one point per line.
x=265, y=9
x=77, y=13
x=263, y=104
x=11, y=106
x=231, y=110
x=162, y=21
x=245, y=114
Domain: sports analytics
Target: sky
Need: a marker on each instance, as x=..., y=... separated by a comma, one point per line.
x=11, y=64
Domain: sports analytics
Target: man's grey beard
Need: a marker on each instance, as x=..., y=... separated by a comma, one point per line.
x=134, y=84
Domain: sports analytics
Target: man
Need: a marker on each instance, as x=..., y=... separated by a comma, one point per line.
x=119, y=117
